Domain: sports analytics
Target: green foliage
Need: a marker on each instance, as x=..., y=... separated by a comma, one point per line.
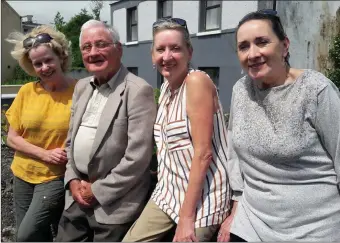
x=226, y=118
x=59, y=22
x=156, y=93
x=334, y=56
x=20, y=77
x=4, y=125
x=71, y=29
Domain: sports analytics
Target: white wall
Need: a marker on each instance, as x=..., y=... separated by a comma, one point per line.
x=147, y=15
x=233, y=11
x=119, y=21
x=188, y=10
x=309, y=26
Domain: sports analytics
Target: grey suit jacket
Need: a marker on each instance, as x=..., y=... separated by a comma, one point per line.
x=122, y=148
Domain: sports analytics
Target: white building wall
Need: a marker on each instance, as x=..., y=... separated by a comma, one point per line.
x=310, y=26
x=119, y=22
x=188, y=10
x=147, y=15
x=233, y=11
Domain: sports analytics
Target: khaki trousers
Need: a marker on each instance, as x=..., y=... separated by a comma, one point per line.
x=153, y=224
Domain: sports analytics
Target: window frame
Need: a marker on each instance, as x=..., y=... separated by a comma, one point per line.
x=130, y=24
x=204, y=8
x=160, y=9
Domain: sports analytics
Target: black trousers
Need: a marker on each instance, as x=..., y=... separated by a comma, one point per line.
x=79, y=224
x=235, y=238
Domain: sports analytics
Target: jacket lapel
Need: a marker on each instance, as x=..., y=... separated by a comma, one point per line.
x=82, y=103
x=109, y=110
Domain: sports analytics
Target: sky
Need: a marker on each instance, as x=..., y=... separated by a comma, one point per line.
x=44, y=11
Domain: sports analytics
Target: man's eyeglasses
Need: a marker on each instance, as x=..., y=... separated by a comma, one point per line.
x=100, y=45
x=179, y=21
x=39, y=39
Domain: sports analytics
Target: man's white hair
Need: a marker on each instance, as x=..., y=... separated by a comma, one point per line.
x=92, y=23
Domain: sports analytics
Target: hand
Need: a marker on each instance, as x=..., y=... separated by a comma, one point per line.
x=185, y=231
x=75, y=188
x=55, y=156
x=86, y=193
x=224, y=232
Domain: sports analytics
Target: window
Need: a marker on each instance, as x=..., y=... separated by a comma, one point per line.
x=269, y=4
x=164, y=9
x=210, y=18
x=132, y=24
x=213, y=72
x=133, y=70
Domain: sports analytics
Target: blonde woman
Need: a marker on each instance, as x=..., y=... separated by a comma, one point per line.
x=39, y=119
x=192, y=193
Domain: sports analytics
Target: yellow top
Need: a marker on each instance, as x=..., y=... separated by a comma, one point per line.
x=41, y=118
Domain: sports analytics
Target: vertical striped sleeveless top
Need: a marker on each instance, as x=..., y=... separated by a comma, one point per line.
x=175, y=152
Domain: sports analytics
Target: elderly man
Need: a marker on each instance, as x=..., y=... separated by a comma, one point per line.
x=109, y=143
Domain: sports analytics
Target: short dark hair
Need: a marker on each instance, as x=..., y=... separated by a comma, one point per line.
x=273, y=18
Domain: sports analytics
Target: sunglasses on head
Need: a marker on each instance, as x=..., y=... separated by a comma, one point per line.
x=179, y=21
x=268, y=11
x=39, y=39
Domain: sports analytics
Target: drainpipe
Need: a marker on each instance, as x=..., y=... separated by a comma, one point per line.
x=274, y=4
x=21, y=29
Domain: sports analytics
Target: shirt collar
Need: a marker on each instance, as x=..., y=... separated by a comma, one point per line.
x=110, y=82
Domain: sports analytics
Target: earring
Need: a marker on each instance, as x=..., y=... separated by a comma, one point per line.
x=153, y=66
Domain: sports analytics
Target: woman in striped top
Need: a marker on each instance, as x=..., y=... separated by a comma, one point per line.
x=193, y=189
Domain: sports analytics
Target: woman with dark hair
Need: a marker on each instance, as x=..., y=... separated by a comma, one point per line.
x=283, y=142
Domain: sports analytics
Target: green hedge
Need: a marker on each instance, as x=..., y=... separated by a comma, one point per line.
x=334, y=56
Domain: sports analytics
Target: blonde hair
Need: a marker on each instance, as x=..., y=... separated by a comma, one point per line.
x=170, y=25
x=59, y=44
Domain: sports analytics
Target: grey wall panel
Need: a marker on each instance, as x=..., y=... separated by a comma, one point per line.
x=139, y=56
x=209, y=51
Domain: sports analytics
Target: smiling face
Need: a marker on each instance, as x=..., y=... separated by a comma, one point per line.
x=171, y=54
x=100, y=55
x=260, y=51
x=45, y=62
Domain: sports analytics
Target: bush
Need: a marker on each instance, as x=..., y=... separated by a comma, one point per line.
x=20, y=74
x=20, y=77
x=334, y=57
x=156, y=93
x=4, y=124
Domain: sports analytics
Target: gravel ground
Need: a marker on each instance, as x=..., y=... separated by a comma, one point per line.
x=7, y=213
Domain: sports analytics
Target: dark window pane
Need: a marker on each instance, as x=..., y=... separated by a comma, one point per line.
x=134, y=33
x=160, y=80
x=212, y=19
x=133, y=70
x=134, y=16
x=213, y=73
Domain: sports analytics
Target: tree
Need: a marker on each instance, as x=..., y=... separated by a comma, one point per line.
x=59, y=22
x=97, y=6
x=72, y=31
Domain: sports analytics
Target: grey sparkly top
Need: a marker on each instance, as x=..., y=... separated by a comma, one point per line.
x=284, y=160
